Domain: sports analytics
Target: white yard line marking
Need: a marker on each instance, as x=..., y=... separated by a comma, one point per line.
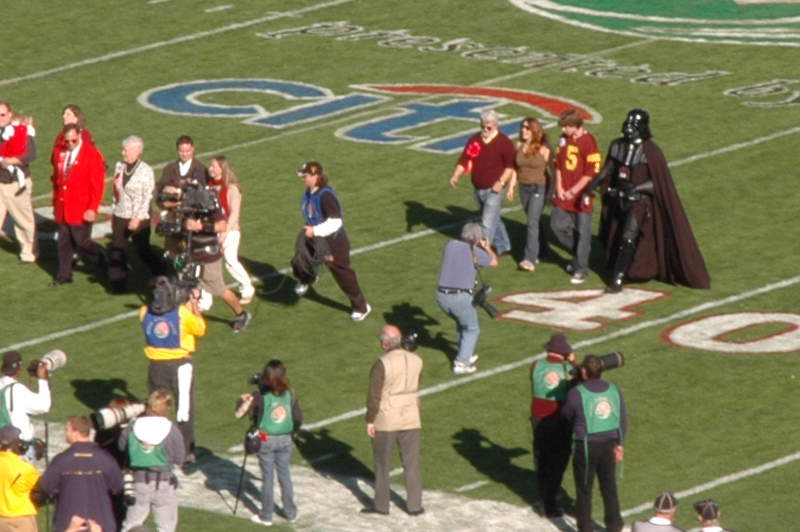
x=218, y=8
x=470, y=487
x=177, y=40
x=396, y=472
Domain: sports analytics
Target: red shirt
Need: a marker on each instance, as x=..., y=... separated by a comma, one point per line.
x=17, y=145
x=492, y=160
x=576, y=158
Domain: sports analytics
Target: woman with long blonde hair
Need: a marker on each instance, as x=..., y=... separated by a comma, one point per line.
x=224, y=179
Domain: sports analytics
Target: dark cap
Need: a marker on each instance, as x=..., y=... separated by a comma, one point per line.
x=310, y=168
x=707, y=510
x=558, y=344
x=665, y=502
x=12, y=361
x=9, y=435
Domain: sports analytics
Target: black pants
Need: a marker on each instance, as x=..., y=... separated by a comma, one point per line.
x=118, y=268
x=552, y=446
x=163, y=375
x=600, y=463
x=71, y=238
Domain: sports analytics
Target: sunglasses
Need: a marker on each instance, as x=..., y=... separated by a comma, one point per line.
x=72, y=142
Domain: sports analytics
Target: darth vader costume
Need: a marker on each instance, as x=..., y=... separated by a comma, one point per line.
x=643, y=225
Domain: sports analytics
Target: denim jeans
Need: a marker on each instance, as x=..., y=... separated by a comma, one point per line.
x=562, y=222
x=532, y=198
x=489, y=204
x=459, y=307
x=276, y=454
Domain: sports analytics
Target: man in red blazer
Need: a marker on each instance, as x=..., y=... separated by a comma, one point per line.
x=78, y=184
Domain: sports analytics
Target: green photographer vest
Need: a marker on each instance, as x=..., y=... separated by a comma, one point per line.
x=549, y=381
x=5, y=413
x=276, y=418
x=602, y=410
x=144, y=456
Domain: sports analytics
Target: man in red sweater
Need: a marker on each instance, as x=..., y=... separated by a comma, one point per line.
x=489, y=157
x=78, y=184
x=577, y=163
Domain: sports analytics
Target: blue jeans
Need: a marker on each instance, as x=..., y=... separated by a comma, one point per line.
x=276, y=454
x=562, y=222
x=532, y=198
x=489, y=204
x=459, y=307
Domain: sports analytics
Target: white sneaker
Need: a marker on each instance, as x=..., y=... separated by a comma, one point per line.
x=473, y=359
x=300, y=289
x=459, y=368
x=578, y=278
x=359, y=316
x=255, y=518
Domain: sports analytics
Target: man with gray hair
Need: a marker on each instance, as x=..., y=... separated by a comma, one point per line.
x=460, y=262
x=664, y=508
x=134, y=182
x=489, y=158
x=393, y=418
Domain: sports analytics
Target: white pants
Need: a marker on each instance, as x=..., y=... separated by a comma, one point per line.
x=230, y=252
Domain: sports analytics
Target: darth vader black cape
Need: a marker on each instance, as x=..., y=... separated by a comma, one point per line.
x=667, y=249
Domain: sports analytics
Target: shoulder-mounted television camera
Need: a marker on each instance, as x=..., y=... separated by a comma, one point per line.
x=169, y=294
x=188, y=199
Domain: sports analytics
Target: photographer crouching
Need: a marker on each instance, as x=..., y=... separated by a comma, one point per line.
x=460, y=263
x=17, y=402
x=171, y=324
x=191, y=224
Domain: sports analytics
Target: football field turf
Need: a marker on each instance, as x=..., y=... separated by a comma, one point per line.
x=384, y=94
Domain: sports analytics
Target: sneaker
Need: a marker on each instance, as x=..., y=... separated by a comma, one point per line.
x=359, y=316
x=459, y=368
x=242, y=321
x=527, y=266
x=473, y=359
x=578, y=278
x=255, y=518
x=300, y=289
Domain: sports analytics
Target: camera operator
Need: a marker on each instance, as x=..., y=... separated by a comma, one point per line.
x=599, y=423
x=171, y=328
x=459, y=269
x=18, y=478
x=205, y=252
x=17, y=402
x=154, y=446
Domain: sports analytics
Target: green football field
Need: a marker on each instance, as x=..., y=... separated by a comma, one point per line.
x=384, y=94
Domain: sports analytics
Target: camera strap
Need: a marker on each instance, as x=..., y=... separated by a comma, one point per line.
x=475, y=263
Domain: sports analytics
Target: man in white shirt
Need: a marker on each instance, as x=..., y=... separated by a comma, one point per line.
x=17, y=402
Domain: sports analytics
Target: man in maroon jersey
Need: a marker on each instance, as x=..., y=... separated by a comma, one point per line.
x=577, y=163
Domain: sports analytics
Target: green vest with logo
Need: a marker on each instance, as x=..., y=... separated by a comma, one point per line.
x=143, y=456
x=549, y=381
x=602, y=410
x=277, y=415
x=5, y=413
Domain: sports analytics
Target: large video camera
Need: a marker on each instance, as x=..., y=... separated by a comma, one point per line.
x=168, y=294
x=191, y=198
x=479, y=300
x=609, y=361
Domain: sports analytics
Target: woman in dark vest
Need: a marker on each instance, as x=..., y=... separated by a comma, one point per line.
x=277, y=414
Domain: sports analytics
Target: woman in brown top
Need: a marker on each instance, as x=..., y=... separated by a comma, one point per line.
x=532, y=160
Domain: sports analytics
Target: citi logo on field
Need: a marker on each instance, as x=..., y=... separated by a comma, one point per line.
x=758, y=22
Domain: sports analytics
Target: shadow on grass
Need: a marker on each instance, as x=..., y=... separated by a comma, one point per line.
x=223, y=476
x=412, y=319
x=97, y=393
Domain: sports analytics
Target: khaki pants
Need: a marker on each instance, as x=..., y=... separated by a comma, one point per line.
x=25, y=523
x=20, y=208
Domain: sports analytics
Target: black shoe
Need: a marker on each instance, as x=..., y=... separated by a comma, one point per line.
x=373, y=511
x=613, y=288
x=102, y=261
x=59, y=282
x=242, y=321
x=118, y=288
x=555, y=513
x=417, y=512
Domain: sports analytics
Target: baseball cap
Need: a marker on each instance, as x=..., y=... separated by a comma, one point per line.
x=665, y=501
x=311, y=167
x=707, y=509
x=558, y=344
x=12, y=361
x=9, y=435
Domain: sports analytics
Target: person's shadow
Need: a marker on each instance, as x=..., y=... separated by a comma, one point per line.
x=413, y=320
x=225, y=476
x=334, y=459
x=98, y=393
x=447, y=222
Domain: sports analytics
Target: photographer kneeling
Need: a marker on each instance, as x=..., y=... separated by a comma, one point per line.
x=460, y=263
x=171, y=324
x=204, y=251
x=154, y=446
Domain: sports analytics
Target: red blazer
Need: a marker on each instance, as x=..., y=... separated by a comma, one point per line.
x=82, y=189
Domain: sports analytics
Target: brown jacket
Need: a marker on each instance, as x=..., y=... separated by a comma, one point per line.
x=394, y=382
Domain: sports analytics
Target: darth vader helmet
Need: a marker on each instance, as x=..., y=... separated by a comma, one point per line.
x=636, y=126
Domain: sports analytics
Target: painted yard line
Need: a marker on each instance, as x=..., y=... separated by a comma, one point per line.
x=737, y=146
x=584, y=343
x=177, y=40
x=396, y=472
x=725, y=479
x=469, y=487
